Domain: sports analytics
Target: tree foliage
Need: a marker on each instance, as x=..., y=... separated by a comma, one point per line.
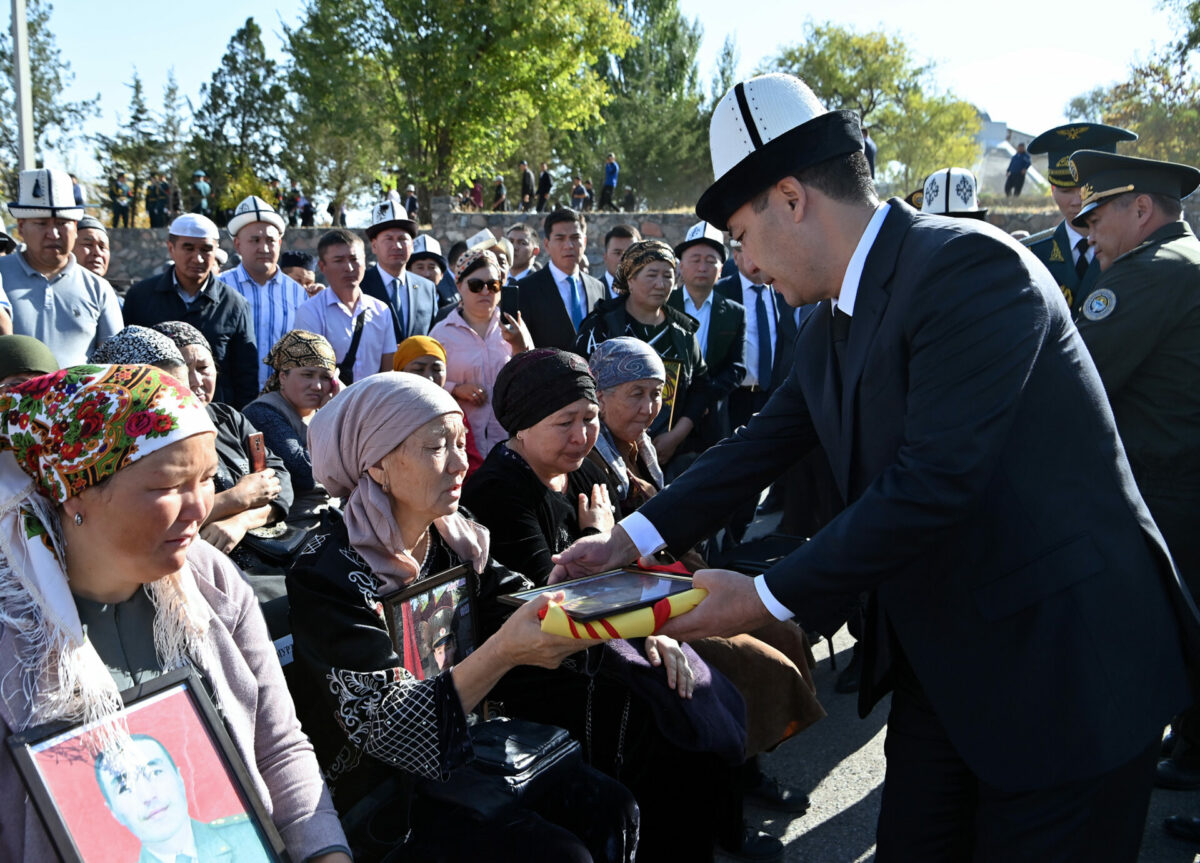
x=238, y=126
x=135, y=148
x=453, y=82
x=916, y=127
x=56, y=121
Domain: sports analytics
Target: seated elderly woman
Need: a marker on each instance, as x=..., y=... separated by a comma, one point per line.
x=392, y=446
x=771, y=666
x=424, y=356
x=105, y=583
x=303, y=379
x=22, y=358
x=537, y=493
x=479, y=339
x=643, y=283
x=246, y=499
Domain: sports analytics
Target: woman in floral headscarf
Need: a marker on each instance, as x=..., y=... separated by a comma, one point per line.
x=105, y=478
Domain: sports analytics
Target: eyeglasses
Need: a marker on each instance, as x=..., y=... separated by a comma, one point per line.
x=477, y=285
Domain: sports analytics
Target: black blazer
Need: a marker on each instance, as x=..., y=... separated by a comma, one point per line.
x=543, y=311
x=1025, y=581
x=422, y=302
x=725, y=357
x=730, y=287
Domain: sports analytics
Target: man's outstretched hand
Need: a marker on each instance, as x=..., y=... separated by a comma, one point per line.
x=593, y=554
x=732, y=606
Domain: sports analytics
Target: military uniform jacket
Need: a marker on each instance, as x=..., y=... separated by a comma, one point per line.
x=1054, y=250
x=1024, y=580
x=225, y=840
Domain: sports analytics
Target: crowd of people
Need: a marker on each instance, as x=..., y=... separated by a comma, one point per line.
x=317, y=482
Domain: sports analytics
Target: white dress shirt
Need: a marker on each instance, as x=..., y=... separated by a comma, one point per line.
x=639, y=528
x=564, y=290
x=703, y=314
x=1073, y=237
x=750, y=301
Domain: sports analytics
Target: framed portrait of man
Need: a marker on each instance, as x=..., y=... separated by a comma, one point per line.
x=166, y=784
x=432, y=621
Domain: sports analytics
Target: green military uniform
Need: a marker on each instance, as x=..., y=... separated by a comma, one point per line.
x=225, y=840
x=1055, y=247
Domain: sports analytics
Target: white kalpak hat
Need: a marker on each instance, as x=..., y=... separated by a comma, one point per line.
x=426, y=246
x=702, y=232
x=952, y=192
x=45, y=193
x=387, y=214
x=765, y=129
x=196, y=226
x=255, y=209
x=485, y=239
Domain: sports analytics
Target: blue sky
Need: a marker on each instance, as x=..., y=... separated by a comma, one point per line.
x=1014, y=60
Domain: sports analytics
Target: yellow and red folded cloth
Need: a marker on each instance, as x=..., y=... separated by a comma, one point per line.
x=628, y=624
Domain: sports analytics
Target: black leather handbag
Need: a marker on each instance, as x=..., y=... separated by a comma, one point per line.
x=515, y=761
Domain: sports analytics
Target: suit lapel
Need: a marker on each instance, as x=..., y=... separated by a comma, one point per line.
x=874, y=292
x=720, y=331
x=813, y=365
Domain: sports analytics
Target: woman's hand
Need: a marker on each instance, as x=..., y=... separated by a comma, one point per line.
x=257, y=489
x=664, y=650
x=226, y=533
x=470, y=393
x=666, y=444
x=598, y=511
x=522, y=641
x=516, y=333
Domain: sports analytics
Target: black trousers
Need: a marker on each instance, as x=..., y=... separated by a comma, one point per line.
x=1013, y=184
x=936, y=811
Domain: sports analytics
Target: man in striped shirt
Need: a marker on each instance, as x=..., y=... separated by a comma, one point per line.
x=257, y=231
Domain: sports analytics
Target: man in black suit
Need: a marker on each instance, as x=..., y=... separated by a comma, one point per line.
x=412, y=299
x=557, y=297
x=722, y=332
x=616, y=241
x=526, y=186
x=1023, y=610
x=543, y=188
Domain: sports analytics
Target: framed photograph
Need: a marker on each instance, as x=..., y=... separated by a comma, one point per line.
x=608, y=593
x=179, y=788
x=432, y=621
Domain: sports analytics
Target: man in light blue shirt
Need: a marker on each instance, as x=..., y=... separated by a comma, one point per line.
x=257, y=231
x=56, y=301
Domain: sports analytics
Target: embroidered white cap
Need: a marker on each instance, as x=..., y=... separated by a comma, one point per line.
x=195, y=226
x=703, y=232
x=45, y=193
x=485, y=239
x=952, y=192
x=426, y=246
x=389, y=214
x=255, y=209
x=765, y=129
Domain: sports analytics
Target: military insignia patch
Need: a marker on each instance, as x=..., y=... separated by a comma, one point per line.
x=1099, y=304
x=1074, y=170
x=1068, y=296
x=1086, y=191
x=1072, y=132
x=1055, y=252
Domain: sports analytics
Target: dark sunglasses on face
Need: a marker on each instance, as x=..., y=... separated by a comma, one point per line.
x=477, y=285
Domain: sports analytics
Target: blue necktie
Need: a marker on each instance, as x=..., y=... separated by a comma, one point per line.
x=398, y=298
x=764, y=336
x=576, y=308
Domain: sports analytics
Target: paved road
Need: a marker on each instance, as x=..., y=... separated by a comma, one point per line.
x=840, y=760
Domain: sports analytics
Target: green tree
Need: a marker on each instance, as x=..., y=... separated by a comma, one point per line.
x=656, y=123
x=172, y=131
x=916, y=127
x=56, y=121
x=135, y=148
x=454, y=82
x=238, y=126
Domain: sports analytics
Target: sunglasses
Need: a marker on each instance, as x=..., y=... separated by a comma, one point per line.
x=477, y=285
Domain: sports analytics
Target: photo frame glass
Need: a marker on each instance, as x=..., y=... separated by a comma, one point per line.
x=608, y=593
x=180, y=789
x=432, y=621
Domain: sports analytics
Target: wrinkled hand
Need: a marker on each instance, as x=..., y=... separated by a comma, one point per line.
x=224, y=534
x=516, y=333
x=258, y=489
x=471, y=393
x=593, y=554
x=666, y=444
x=664, y=650
x=598, y=511
x=522, y=641
x=731, y=607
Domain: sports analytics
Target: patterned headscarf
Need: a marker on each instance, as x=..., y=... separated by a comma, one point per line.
x=136, y=345
x=298, y=349
x=183, y=334
x=471, y=260
x=61, y=434
x=621, y=360
x=638, y=255
x=415, y=347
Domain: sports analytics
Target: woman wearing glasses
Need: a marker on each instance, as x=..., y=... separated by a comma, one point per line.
x=479, y=340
